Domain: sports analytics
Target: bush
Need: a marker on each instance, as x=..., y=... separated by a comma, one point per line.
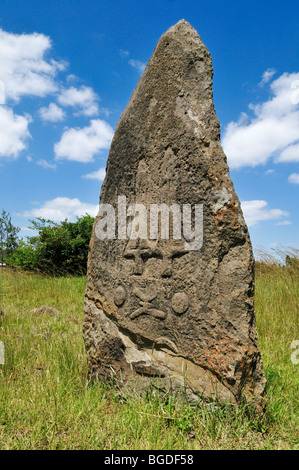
x=58, y=249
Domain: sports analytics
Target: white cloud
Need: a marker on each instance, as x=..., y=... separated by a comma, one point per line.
x=84, y=99
x=62, y=208
x=137, y=64
x=96, y=175
x=124, y=53
x=273, y=130
x=13, y=132
x=24, y=68
x=2, y=93
x=294, y=178
x=256, y=211
x=46, y=165
x=285, y=222
x=267, y=76
x=290, y=154
x=52, y=113
x=81, y=145
x=71, y=78
x=140, y=66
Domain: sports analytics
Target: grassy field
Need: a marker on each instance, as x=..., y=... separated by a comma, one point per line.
x=46, y=402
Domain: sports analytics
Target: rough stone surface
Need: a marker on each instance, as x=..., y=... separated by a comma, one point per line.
x=155, y=311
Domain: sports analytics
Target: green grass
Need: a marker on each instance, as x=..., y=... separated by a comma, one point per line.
x=46, y=401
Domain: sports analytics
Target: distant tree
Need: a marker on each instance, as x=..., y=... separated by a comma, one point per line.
x=8, y=236
x=292, y=262
x=57, y=249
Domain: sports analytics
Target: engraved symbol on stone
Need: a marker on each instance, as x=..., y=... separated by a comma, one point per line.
x=175, y=250
x=164, y=342
x=120, y=296
x=180, y=303
x=140, y=251
x=146, y=307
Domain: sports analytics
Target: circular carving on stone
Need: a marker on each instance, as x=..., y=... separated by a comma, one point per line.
x=120, y=296
x=180, y=303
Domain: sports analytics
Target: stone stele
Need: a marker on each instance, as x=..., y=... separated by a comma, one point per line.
x=157, y=313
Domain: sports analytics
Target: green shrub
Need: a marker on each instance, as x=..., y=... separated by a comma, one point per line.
x=58, y=249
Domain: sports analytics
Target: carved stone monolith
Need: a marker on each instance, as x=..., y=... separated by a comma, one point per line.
x=170, y=286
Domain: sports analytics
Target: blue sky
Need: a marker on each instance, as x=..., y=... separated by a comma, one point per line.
x=68, y=69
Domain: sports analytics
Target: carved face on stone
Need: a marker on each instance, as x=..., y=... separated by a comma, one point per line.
x=151, y=284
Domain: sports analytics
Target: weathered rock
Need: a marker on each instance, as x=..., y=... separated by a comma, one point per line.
x=44, y=310
x=154, y=310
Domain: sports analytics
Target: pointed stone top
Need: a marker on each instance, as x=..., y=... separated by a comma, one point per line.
x=174, y=95
x=181, y=24
x=183, y=28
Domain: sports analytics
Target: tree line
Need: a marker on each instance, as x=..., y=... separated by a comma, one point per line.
x=55, y=249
